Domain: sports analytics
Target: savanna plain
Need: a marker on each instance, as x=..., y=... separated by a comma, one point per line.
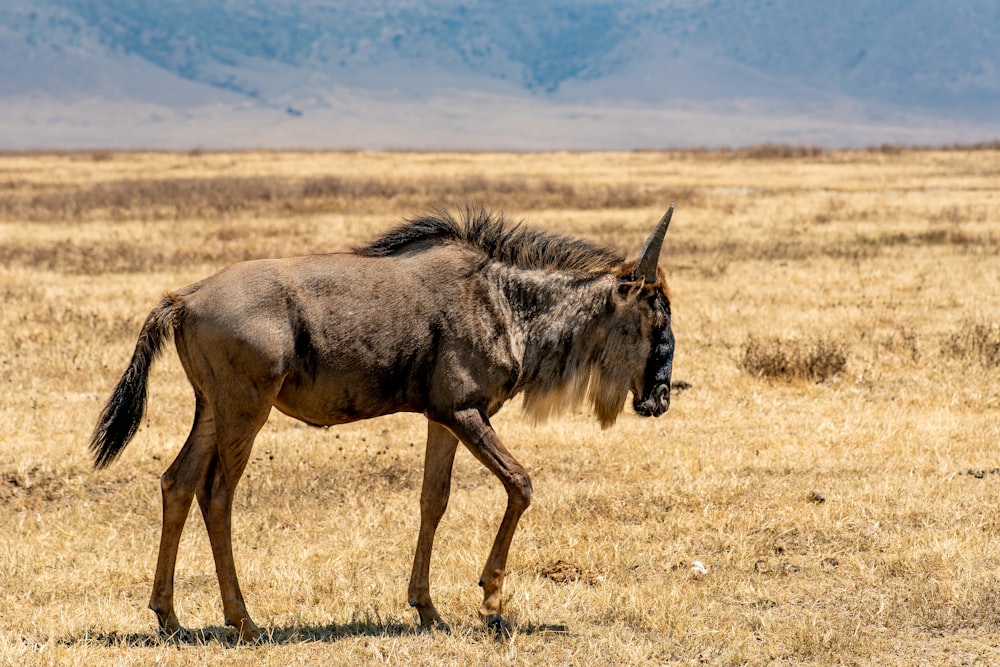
x=830, y=455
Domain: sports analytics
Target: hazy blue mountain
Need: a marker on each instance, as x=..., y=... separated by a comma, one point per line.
x=590, y=73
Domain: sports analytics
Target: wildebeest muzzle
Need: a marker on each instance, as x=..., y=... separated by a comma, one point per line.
x=655, y=404
x=655, y=399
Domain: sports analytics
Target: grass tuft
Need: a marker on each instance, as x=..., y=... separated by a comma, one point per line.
x=816, y=360
x=975, y=342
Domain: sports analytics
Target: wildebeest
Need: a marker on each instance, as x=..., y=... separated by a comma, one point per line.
x=440, y=316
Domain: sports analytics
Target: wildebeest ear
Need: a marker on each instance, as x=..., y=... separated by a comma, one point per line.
x=627, y=290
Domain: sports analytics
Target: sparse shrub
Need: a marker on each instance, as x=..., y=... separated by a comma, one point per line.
x=816, y=360
x=902, y=341
x=897, y=149
x=772, y=151
x=768, y=151
x=932, y=237
x=892, y=149
x=765, y=151
x=975, y=342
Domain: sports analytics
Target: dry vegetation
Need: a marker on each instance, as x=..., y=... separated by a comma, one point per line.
x=833, y=463
x=817, y=360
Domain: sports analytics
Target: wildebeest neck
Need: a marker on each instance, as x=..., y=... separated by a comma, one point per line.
x=557, y=327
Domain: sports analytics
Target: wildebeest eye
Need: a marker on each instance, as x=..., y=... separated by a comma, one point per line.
x=661, y=310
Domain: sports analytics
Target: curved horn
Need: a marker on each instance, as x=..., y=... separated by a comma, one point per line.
x=649, y=256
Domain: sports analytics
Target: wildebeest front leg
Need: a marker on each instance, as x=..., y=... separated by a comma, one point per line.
x=438, y=461
x=473, y=428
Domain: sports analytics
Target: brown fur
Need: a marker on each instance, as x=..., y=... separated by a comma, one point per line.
x=450, y=319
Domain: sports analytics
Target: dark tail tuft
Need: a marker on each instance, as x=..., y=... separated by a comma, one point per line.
x=123, y=412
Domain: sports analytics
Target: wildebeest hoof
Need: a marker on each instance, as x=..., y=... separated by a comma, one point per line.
x=170, y=627
x=498, y=627
x=436, y=626
x=430, y=620
x=178, y=635
x=248, y=631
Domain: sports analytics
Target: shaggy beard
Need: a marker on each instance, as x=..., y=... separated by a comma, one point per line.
x=606, y=391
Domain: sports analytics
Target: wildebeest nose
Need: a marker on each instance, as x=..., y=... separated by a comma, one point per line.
x=662, y=399
x=656, y=404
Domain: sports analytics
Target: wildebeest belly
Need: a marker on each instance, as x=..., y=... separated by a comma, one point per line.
x=352, y=389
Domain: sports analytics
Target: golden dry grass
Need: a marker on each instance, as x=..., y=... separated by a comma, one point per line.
x=852, y=520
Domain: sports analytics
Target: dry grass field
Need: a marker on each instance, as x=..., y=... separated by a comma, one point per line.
x=833, y=463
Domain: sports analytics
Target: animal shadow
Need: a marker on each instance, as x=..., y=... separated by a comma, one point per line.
x=297, y=634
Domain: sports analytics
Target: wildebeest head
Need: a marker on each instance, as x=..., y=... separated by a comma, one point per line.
x=654, y=398
x=645, y=326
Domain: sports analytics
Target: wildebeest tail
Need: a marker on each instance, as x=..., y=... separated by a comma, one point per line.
x=123, y=412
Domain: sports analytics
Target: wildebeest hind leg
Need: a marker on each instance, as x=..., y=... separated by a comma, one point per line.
x=235, y=434
x=178, y=486
x=438, y=461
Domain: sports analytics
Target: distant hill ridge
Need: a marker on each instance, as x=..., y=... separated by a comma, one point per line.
x=343, y=69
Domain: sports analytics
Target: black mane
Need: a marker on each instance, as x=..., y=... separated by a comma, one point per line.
x=490, y=233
